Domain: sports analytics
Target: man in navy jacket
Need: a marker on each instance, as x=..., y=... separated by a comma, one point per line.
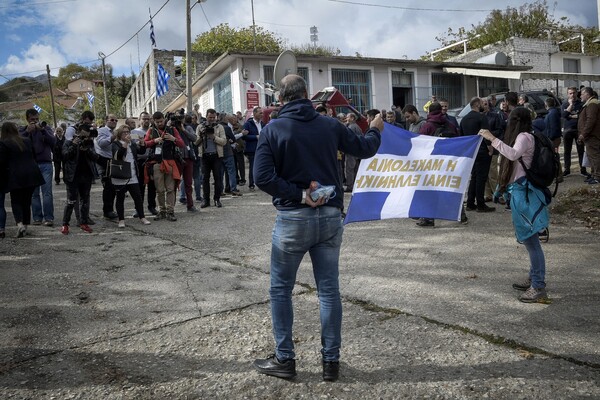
x=252, y=129
x=296, y=152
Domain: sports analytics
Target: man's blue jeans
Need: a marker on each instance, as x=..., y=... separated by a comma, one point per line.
x=537, y=271
x=317, y=231
x=43, y=210
x=229, y=167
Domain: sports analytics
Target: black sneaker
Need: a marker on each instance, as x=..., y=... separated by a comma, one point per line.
x=111, y=215
x=152, y=210
x=522, y=286
x=471, y=207
x=485, y=208
x=171, y=217
x=426, y=222
x=566, y=172
x=272, y=366
x=331, y=371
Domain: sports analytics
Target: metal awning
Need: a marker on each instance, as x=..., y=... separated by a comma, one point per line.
x=491, y=73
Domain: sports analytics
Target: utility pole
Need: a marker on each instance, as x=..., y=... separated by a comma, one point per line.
x=188, y=56
x=51, y=95
x=254, y=25
x=102, y=57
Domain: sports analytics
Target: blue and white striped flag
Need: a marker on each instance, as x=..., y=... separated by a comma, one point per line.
x=37, y=108
x=152, y=37
x=90, y=98
x=413, y=176
x=162, y=85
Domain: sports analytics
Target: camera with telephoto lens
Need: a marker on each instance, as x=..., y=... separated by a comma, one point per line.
x=86, y=133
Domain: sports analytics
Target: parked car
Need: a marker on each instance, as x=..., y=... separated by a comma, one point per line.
x=536, y=99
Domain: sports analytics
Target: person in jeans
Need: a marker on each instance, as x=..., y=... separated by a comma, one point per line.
x=43, y=140
x=529, y=204
x=123, y=148
x=294, y=151
x=210, y=142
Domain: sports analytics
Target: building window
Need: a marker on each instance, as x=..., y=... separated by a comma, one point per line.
x=268, y=77
x=222, y=90
x=449, y=87
x=571, y=65
x=355, y=85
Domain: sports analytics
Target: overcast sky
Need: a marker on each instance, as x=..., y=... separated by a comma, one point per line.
x=39, y=32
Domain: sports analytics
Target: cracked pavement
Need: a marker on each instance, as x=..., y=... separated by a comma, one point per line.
x=180, y=310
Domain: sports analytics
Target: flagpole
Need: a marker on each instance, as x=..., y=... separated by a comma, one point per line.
x=93, y=102
x=51, y=95
x=188, y=55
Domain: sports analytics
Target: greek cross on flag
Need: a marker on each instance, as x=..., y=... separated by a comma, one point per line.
x=90, y=98
x=413, y=176
x=162, y=86
x=37, y=108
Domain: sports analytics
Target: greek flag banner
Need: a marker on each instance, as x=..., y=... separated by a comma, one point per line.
x=152, y=37
x=413, y=176
x=37, y=108
x=90, y=98
x=162, y=86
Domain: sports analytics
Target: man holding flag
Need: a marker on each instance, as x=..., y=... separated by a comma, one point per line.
x=295, y=154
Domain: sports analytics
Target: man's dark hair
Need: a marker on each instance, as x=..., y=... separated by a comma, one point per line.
x=512, y=98
x=211, y=111
x=588, y=90
x=87, y=114
x=31, y=112
x=524, y=97
x=292, y=87
x=372, y=112
x=321, y=109
x=409, y=108
x=475, y=101
x=158, y=115
x=550, y=102
x=435, y=106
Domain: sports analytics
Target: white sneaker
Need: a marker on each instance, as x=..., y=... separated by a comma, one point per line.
x=144, y=221
x=122, y=223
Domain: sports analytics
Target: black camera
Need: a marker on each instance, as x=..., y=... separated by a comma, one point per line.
x=85, y=132
x=174, y=118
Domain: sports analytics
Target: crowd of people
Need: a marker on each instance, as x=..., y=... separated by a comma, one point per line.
x=159, y=154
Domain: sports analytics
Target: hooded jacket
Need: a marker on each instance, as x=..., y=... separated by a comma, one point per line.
x=301, y=146
x=589, y=119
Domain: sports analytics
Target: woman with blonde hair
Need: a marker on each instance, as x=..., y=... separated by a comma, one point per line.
x=124, y=149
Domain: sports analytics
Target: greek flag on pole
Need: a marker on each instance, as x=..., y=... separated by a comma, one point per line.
x=90, y=98
x=152, y=37
x=162, y=86
x=37, y=108
x=413, y=176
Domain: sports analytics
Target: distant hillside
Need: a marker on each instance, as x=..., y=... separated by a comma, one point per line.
x=23, y=87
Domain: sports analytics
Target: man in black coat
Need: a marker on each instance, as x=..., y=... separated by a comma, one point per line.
x=471, y=124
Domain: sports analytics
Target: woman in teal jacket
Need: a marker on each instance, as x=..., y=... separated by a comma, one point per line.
x=529, y=204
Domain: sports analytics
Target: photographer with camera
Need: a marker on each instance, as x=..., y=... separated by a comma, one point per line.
x=137, y=136
x=161, y=165
x=103, y=149
x=79, y=173
x=211, y=139
x=43, y=140
x=188, y=155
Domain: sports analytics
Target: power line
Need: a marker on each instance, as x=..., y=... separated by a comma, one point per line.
x=408, y=8
x=293, y=26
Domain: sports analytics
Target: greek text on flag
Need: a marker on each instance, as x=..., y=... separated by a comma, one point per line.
x=162, y=78
x=413, y=176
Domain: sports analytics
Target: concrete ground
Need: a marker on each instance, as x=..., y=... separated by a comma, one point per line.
x=181, y=309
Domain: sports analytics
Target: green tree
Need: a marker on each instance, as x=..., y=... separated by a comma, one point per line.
x=307, y=48
x=224, y=38
x=531, y=20
x=75, y=71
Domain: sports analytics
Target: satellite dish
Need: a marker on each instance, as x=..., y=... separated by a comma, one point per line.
x=286, y=64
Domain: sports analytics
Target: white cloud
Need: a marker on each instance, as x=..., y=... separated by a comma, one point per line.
x=34, y=58
x=76, y=31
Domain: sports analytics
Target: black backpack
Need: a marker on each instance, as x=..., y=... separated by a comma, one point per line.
x=545, y=163
x=444, y=130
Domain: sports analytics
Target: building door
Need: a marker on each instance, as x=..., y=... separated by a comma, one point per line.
x=402, y=89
